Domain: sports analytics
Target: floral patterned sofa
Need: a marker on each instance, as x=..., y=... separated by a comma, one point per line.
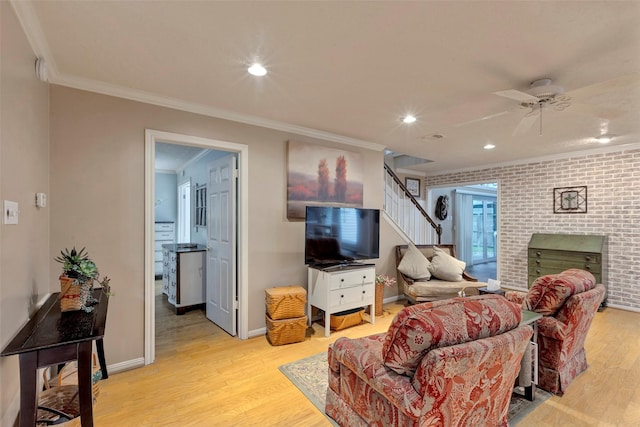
x=568, y=301
x=443, y=363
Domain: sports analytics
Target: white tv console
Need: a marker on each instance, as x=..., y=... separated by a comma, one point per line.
x=341, y=288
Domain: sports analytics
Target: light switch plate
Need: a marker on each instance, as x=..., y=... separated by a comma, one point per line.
x=10, y=212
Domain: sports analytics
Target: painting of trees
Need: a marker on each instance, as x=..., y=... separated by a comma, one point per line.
x=311, y=180
x=323, y=180
x=341, y=179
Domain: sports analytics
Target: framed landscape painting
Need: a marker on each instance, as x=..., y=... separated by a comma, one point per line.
x=322, y=176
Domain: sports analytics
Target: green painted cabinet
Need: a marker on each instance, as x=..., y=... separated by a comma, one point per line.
x=554, y=253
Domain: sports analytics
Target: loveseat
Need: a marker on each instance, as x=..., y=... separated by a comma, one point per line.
x=443, y=363
x=568, y=302
x=426, y=279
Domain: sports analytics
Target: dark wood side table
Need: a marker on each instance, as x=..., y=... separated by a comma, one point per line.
x=52, y=337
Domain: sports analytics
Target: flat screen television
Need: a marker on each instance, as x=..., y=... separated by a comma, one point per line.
x=336, y=235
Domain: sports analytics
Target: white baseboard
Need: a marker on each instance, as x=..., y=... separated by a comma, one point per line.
x=623, y=307
x=394, y=299
x=258, y=332
x=126, y=365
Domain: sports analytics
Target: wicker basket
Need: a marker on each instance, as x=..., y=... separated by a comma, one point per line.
x=70, y=294
x=285, y=302
x=64, y=399
x=379, y=298
x=346, y=319
x=68, y=375
x=286, y=331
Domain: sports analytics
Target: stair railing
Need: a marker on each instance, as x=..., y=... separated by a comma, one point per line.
x=407, y=213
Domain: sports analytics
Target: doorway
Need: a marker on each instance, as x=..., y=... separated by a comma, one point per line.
x=484, y=229
x=473, y=225
x=241, y=150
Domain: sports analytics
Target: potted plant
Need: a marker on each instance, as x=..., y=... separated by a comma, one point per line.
x=76, y=281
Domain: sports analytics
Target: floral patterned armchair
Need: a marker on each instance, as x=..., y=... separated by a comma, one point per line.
x=444, y=363
x=568, y=301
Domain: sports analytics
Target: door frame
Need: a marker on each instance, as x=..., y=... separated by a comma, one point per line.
x=183, y=215
x=431, y=203
x=242, y=279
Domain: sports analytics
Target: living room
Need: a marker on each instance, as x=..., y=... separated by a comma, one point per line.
x=85, y=148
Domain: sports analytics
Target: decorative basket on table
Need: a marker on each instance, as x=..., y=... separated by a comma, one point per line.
x=76, y=280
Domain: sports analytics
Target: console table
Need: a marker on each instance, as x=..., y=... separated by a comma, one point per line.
x=52, y=337
x=341, y=288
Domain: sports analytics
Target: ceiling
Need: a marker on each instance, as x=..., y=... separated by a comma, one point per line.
x=349, y=71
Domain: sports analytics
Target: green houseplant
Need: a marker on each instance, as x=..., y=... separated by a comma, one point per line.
x=76, y=281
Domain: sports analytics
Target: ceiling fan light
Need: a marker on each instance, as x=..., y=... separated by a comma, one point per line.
x=544, y=89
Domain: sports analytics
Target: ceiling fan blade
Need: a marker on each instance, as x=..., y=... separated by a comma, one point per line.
x=481, y=119
x=517, y=95
x=526, y=123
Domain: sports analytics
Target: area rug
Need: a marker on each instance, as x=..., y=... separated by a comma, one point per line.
x=310, y=376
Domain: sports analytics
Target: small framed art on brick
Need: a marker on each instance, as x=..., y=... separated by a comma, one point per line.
x=570, y=200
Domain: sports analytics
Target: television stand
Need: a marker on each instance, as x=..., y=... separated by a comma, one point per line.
x=334, y=290
x=342, y=266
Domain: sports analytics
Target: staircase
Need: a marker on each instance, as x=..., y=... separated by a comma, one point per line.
x=406, y=212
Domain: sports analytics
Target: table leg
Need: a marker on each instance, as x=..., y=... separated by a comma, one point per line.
x=101, y=359
x=84, y=384
x=28, y=395
x=327, y=324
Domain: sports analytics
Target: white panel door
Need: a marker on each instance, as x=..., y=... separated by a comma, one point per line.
x=221, y=244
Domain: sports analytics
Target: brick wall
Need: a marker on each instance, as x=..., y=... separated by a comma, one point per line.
x=525, y=195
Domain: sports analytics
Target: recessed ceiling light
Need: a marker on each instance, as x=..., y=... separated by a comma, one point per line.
x=603, y=139
x=489, y=147
x=409, y=119
x=257, y=70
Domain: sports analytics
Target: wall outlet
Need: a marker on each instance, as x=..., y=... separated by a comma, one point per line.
x=10, y=212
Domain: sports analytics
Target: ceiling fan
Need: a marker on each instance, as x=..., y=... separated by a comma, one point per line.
x=543, y=94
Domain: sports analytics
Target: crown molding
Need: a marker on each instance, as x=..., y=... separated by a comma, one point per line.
x=166, y=171
x=31, y=26
x=177, y=104
x=33, y=31
x=559, y=156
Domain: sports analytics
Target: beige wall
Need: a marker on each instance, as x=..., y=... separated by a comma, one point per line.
x=97, y=200
x=24, y=170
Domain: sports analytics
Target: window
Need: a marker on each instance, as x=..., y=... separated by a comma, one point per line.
x=201, y=206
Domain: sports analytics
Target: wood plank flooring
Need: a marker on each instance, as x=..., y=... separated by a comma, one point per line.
x=204, y=377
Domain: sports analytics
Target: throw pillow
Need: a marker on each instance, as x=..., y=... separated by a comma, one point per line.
x=414, y=264
x=445, y=267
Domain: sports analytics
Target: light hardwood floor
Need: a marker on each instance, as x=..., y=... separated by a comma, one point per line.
x=203, y=377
